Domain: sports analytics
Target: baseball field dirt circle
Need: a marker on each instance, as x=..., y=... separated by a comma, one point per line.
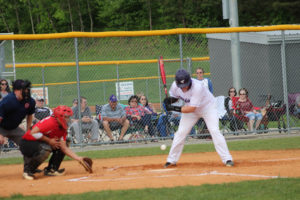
x=148, y=172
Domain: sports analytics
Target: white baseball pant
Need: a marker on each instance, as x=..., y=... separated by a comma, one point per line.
x=187, y=121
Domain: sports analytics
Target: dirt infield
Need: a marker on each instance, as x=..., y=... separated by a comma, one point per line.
x=142, y=172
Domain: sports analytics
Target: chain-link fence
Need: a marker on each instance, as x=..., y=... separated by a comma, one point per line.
x=124, y=66
x=7, y=57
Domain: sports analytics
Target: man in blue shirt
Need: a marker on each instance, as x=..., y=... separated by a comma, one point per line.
x=13, y=109
x=114, y=117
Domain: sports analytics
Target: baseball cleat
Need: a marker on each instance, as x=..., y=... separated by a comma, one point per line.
x=52, y=172
x=28, y=176
x=229, y=163
x=168, y=164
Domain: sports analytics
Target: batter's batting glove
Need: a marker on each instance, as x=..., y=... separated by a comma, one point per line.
x=173, y=108
x=87, y=163
x=170, y=100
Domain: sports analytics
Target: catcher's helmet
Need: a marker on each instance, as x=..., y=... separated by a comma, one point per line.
x=63, y=113
x=182, y=78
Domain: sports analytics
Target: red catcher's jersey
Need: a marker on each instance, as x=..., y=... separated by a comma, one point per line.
x=48, y=127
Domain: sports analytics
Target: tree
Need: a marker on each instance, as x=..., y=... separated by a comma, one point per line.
x=47, y=16
x=16, y=5
x=90, y=15
x=2, y=13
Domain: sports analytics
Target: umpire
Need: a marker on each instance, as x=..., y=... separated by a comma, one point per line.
x=13, y=109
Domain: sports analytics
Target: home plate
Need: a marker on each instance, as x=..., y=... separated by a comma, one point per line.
x=161, y=170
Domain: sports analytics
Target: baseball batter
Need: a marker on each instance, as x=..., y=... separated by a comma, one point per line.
x=199, y=102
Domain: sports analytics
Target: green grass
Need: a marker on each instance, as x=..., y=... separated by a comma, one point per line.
x=243, y=145
x=274, y=189
x=281, y=188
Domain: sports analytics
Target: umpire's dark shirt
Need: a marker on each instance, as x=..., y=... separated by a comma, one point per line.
x=13, y=111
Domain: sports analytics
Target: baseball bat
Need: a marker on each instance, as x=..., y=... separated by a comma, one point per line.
x=163, y=74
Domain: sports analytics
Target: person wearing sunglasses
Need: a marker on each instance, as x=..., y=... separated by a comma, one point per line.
x=5, y=90
x=246, y=109
x=235, y=124
x=206, y=81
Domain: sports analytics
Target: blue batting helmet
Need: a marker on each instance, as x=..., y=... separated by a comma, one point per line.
x=182, y=78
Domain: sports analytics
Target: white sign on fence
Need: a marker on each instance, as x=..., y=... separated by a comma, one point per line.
x=38, y=92
x=126, y=90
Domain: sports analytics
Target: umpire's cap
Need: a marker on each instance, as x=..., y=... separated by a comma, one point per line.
x=182, y=78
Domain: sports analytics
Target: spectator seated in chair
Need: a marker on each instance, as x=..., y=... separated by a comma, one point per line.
x=113, y=117
x=297, y=107
x=235, y=123
x=245, y=111
x=136, y=115
x=41, y=111
x=149, y=109
x=4, y=88
x=87, y=122
x=74, y=103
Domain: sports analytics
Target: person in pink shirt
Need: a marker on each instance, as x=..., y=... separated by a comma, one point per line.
x=137, y=114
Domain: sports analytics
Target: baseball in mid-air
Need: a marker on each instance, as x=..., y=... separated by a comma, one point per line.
x=163, y=147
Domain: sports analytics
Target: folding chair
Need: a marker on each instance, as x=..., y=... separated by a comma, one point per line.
x=240, y=117
x=275, y=113
x=135, y=132
x=102, y=133
x=227, y=123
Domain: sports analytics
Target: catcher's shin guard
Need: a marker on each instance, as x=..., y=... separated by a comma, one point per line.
x=55, y=160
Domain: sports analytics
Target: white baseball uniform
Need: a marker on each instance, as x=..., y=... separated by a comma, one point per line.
x=197, y=96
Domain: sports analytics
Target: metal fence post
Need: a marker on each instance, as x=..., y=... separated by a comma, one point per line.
x=284, y=80
x=13, y=58
x=189, y=65
x=43, y=79
x=104, y=91
x=78, y=88
x=147, y=93
x=180, y=50
x=118, y=83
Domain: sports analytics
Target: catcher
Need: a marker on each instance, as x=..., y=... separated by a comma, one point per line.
x=49, y=135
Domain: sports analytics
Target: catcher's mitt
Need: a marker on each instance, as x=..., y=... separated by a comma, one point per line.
x=87, y=163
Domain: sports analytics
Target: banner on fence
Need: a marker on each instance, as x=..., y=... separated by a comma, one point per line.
x=126, y=90
x=38, y=92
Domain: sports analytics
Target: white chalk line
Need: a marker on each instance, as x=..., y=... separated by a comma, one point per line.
x=85, y=179
x=161, y=170
x=77, y=179
x=276, y=160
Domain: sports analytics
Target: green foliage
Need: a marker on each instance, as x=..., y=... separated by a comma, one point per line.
x=48, y=16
